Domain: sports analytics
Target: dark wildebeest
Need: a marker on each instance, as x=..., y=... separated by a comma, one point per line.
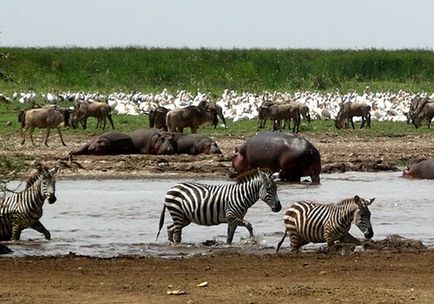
x=157, y=118
x=191, y=116
x=350, y=109
x=47, y=117
x=84, y=109
x=281, y=112
x=423, y=169
x=213, y=107
x=285, y=112
x=290, y=155
x=421, y=108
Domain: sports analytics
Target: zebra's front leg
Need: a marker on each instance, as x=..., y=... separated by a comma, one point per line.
x=40, y=228
x=348, y=238
x=234, y=222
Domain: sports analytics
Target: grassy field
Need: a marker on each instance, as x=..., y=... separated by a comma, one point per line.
x=255, y=70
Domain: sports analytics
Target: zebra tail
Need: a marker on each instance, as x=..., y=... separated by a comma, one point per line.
x=161, y=221
x=281, y=241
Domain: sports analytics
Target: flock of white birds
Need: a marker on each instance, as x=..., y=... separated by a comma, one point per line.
x=385, y=106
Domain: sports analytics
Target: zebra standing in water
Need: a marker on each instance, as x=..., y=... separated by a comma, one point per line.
x=24, y=209
x=215, y=204
x=307, y=222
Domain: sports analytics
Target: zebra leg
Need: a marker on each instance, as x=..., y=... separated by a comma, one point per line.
x=234, y=222
x=170, y=232
x=177, y=231
x=40, y=228
x=348, y=238
x=231, y=232
x=16, y=232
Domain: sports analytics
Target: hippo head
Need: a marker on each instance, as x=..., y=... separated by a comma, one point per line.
x=99, y=147
x=165, y=144
x=239, y=164
x=208, y=146
x=406, y=173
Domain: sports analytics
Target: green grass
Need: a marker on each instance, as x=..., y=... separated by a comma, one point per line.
x=253, y=70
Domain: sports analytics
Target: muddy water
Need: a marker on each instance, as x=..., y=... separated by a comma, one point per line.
x=120, y=217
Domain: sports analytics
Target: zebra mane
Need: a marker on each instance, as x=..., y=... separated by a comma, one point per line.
x=251, y=174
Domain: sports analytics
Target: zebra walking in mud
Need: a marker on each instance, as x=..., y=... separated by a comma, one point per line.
x=215, y=204
x=24, y=209
x=307, y=222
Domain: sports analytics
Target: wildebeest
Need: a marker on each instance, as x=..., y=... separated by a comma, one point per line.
x=157, y=118
x=191, y=116
x=214, y=107
x=47, y=117
x=84, y=109
x=350, y=109
x=421, y=108
x=278, y=113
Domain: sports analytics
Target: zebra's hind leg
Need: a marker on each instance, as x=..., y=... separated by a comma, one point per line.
x=16, y=232
x=170, y=230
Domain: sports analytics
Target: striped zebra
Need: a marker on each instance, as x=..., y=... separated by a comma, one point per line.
x=23, y=209
x=215, y=204
x=307, y=222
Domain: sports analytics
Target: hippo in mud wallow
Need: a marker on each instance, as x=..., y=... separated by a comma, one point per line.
x=423, y=169
x=153, y=141
x=194, y=144
x=290, y=155
x=110, y=143
x=140, y=141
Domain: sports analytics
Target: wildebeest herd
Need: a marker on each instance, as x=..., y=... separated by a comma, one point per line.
x=289, y=156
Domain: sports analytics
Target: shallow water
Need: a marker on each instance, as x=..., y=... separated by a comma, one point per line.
x=120, y=217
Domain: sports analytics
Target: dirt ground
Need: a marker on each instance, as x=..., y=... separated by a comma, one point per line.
x=401, y=273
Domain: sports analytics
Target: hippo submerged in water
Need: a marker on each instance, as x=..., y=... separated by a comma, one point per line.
x=290, y=155
x=423, y=169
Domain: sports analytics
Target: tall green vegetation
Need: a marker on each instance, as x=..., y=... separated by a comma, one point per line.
x=256, y=70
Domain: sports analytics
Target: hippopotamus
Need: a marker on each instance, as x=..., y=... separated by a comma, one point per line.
x=290, y=155
x=153, y=141
x=194, y=144
x=110, y=143
x=422, y=169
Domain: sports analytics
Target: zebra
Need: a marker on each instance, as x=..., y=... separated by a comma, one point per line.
x=215, y=204
x=23, y=209
x=307, y=221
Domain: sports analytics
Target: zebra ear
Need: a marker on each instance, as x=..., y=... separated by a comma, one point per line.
x=55, y=170
x=370, y=201
x=275, y=177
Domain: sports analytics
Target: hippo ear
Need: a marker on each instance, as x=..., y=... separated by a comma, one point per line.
x=236, y=150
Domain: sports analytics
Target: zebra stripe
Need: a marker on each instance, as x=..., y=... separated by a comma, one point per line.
x=24, y=209
x=307, y=222
x=215, y=204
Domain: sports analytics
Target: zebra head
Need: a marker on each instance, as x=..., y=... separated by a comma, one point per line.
x=362, y=216
x=268, y=191
x=48, y=182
